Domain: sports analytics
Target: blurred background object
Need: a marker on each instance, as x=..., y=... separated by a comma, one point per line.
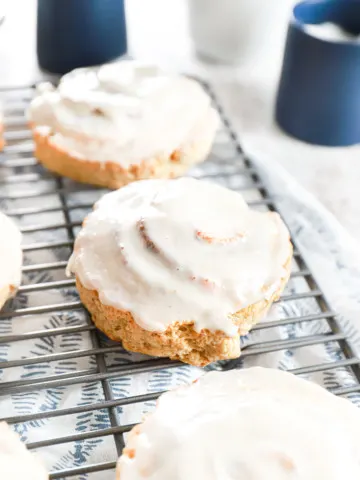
x=319, y=97
x=72, y=34
x=2, y=11
x=242, y=32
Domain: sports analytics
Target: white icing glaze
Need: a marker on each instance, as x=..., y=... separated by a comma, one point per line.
x=208, y=254
x=251, y=424
x=330, y=32
x=17, y=463
x=10, y=253
x=124, y=112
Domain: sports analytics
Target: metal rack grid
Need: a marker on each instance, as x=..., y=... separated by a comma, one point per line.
x=42, y=204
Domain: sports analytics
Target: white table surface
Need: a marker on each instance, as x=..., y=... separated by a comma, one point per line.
x=158, y=31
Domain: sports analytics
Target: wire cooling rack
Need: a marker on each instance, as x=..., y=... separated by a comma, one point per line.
x=55, y=365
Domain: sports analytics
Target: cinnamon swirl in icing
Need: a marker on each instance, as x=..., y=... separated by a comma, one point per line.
x=121, y=122
x=17, y=463
x=183, y=259
x=10, y=258
x=251, y=424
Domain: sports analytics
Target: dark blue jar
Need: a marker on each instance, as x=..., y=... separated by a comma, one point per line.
x=318, y=98
x=78, y=33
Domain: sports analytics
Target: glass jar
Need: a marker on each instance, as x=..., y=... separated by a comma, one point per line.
x=239, y=31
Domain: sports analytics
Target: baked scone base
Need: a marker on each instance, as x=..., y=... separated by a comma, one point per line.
x=112, y=175
x=6, y=293
x=179, y=341
x=2, y=140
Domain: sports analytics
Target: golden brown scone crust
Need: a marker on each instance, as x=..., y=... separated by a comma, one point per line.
x=6, y=293
x=2, y=141
x=180, y=341
x=112, y=175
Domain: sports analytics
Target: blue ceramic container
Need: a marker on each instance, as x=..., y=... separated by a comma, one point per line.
x=318, y=98
x=77, y=33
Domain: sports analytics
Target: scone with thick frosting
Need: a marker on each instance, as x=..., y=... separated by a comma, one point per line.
x=16, y=462
x=10, y=258
x=252, y=424
x=122, y=122
x=179, y=268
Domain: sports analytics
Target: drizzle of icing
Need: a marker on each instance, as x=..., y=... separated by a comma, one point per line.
x=139, y=249
x=123, y=112
x=250, y=424
x=17, y=463
x=10, y=253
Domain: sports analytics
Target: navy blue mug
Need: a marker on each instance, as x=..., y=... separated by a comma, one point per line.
x=78, y=33
x=318, y=98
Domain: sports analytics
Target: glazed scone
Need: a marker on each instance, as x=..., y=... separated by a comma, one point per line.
x=10, y=258
x=179, y=268
x=16, y=462
x=122, y=122
x=252, y=424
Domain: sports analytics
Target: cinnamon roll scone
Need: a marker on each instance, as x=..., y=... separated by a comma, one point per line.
x=122, y=122
x=251, y=424
x=10, y=258
x=16, y=462
x=179, y=268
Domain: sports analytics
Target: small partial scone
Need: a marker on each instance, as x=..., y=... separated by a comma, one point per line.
x=252, y=424
x=16, y=462
x=179, y=268
x=10, y=258
x=122, y=122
